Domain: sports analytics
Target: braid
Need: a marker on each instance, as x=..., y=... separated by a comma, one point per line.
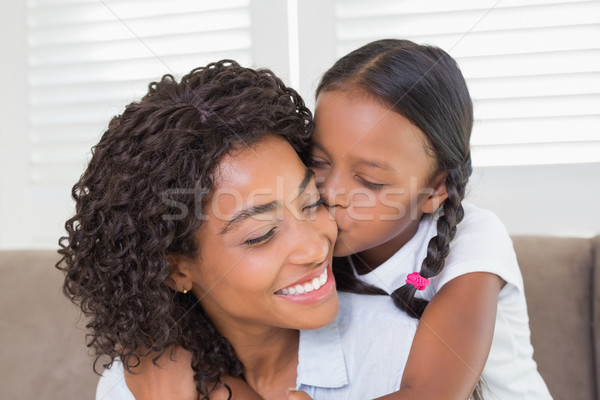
x=439, y=245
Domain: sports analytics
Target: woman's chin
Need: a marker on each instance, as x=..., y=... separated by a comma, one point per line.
x=325, y=315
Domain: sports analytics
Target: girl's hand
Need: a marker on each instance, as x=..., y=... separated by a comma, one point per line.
x=297, y=395
x=172, y=378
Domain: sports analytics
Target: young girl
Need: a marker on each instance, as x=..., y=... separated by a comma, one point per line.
x=391, y=152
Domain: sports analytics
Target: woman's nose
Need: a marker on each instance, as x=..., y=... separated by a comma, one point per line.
x=313, y=239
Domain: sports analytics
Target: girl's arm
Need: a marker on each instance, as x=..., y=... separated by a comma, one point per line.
x=173, y=378
x=453, y=340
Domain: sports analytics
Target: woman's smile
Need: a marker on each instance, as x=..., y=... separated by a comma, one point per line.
x=311, y=289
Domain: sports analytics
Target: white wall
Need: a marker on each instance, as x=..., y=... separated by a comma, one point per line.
x=547, y=200
x=31, y=216
x=553, y=200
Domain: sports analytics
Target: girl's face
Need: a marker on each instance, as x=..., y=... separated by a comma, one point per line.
x=373, y=167
x=266, y=246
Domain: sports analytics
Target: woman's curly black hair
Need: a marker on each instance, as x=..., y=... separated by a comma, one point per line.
x=139, y=202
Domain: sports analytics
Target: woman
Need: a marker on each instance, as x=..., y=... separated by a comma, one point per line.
x=198, y=227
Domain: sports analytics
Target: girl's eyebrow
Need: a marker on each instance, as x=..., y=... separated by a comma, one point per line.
x=369, y=163
x=264, y=208
x=377, y=164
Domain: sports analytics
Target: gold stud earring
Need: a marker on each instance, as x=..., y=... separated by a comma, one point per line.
x=184, y=291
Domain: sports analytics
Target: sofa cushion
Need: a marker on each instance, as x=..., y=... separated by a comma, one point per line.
x=43, y=350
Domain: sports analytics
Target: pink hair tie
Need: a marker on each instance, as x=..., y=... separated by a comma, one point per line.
x=417, y=281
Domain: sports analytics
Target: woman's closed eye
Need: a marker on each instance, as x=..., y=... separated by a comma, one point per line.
x=312, y=207
x=256, y=241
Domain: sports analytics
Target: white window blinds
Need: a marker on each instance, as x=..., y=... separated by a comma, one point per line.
x=533, y=68
x=87, y=58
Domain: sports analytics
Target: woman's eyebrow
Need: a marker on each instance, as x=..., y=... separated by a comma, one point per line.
x=264, y=208
x=249, y=212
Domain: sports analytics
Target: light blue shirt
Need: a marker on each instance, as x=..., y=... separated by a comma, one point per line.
x=361, y=355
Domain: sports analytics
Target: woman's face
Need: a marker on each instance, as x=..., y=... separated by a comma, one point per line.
x=266, y=244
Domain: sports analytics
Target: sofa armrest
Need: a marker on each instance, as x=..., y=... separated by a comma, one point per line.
x=561, y=287
x=596, y=310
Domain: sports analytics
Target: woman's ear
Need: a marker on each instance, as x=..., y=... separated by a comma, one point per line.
x=439, y=194
x=180, y=278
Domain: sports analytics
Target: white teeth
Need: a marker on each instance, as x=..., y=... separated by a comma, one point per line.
x=307, y=287
x=323, y=278
x=316, y=283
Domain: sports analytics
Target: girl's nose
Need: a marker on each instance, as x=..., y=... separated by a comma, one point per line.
x=333, y=190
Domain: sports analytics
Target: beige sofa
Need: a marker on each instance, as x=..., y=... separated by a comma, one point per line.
x=44, y=356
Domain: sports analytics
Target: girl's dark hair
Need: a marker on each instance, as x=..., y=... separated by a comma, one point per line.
x=139, y=202
x=425, y=85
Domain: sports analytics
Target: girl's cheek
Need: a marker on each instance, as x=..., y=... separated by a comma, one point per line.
x=363, y=205
x=391, y=203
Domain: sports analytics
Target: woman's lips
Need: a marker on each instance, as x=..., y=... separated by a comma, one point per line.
x=308, y=286
x=313, y=289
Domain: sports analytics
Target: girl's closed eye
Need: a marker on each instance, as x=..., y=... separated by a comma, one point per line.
x=317, y=163
x=256, y=241
x=369, y=185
